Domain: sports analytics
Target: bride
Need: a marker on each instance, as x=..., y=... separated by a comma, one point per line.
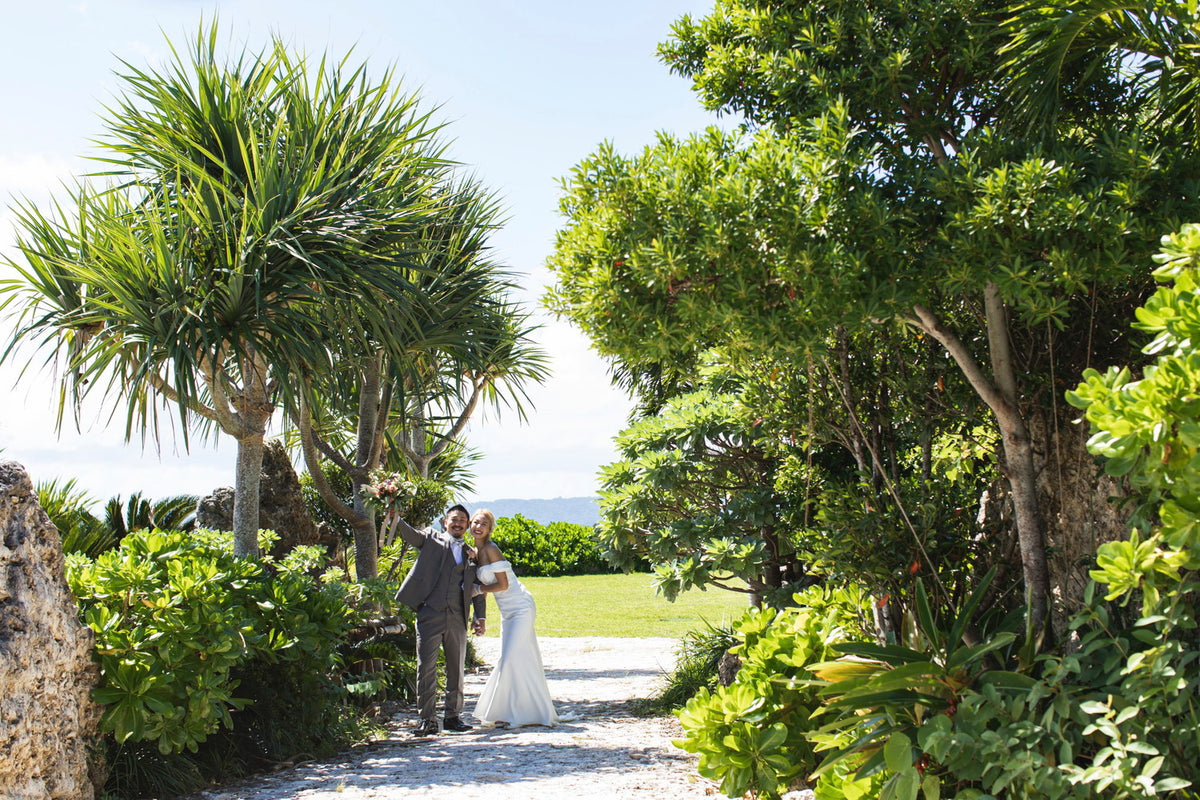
x=516, y=693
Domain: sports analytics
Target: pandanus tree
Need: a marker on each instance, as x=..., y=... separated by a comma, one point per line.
x=472, y=342
x=881, y=181
x=244, y=199
x=1056, y=49
x=493, y=360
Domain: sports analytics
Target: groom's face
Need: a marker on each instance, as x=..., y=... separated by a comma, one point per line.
x=456, y=524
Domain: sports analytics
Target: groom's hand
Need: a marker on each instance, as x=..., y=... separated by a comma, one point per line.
x=479, y=626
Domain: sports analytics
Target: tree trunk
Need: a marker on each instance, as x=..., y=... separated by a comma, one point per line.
x=421, y=465
x=370, y=431
x=366, y=539
x=773, y=574
x=253, y=411
x=1020, y=470
x=359, y=516
x=1075, y=498
x=1018, y=458
x=246, y=494
x=998, y=393
x=417, y=442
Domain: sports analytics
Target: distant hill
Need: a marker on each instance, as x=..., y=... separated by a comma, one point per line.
x=578, y=510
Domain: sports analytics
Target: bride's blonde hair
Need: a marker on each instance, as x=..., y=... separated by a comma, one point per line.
x=488, y=515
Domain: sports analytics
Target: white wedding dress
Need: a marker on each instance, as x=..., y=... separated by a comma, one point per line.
x=516, y=691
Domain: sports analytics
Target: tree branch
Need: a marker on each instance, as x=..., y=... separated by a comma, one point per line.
x=332, y=453
x=738, y=589
x=927, y=321
x=1019, y=466
x=312, y=461
x=225, y=414
x=461, y=423
x=999, y=345
x=368, y=408
x=385, y=410
x=167, y=390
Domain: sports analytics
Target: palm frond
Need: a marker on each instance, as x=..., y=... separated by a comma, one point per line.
x=1081, y=57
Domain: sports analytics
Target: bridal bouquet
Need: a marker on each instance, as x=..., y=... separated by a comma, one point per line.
x=388, y=492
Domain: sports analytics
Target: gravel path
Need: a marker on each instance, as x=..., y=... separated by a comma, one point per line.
x=599, y=750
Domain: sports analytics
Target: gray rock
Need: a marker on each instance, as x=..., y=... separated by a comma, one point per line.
x=215, y=512
x=48, y=722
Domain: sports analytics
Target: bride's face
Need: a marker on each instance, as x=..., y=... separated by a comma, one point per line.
x=481, y=527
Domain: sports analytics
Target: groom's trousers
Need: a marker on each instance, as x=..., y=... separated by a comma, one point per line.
x=440, y=629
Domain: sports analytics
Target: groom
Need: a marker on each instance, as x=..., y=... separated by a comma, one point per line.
x=439, y=589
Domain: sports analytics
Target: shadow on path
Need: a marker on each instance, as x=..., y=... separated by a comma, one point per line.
x=602, y=749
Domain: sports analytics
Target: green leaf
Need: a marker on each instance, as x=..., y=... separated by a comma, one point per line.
x=1171, y=785
x=897, y=753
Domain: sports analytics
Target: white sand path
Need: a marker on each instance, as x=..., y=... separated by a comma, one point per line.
x=600, y=750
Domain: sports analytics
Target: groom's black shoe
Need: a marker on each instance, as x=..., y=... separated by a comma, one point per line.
x=428, y=727
x=455, y=724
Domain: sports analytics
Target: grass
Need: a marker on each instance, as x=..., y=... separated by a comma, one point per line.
x=621, y=605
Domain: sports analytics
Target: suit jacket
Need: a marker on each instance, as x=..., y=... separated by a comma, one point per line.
x=434, y=556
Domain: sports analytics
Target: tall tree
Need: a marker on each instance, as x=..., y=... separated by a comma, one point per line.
x=694, y=494
x=474, y=343
x=247, y=198
x=878, y=182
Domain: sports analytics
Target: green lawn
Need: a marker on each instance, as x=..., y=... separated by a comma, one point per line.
x=621, y=605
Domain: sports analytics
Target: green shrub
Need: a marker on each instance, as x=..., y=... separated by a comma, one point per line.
x=560, y=548
x=193, y=642
x=319, y=510
x=752, y=734
x=878, y=701
x=171, y=620
x=696, y=667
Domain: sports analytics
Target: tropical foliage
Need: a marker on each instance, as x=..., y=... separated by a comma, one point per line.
x=877, y=233
x=268, y=221
x=202, y=652
x=81, y=531
x=934, y=218
x=69, y=509
x=403, y=406
x=560, y=548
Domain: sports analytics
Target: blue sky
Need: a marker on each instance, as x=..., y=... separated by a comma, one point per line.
x=527, y=88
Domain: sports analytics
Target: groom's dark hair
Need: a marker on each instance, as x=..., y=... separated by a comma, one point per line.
x=456, y=507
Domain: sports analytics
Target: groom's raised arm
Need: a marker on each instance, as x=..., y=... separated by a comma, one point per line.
x=409, y=534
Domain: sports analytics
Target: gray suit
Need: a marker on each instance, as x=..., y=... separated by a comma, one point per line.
x=439, y=590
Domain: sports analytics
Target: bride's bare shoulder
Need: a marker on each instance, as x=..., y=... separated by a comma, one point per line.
x=489, y=554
